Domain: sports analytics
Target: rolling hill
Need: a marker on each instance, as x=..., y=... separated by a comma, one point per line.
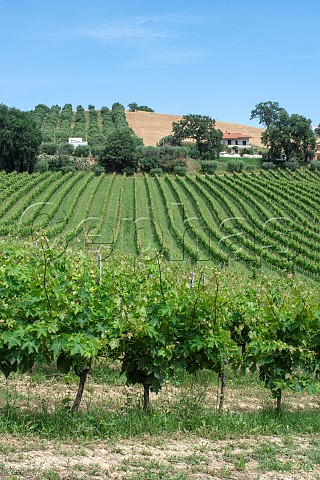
x=151, y=127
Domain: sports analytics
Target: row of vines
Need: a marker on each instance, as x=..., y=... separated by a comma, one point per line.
x=58, y=307
x=260, y=219
x=58, y=124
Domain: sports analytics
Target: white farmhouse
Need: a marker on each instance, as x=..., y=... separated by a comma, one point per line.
x=236, y=140
x=76, y=141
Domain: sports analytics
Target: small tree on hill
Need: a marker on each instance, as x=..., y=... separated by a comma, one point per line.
x=201, y=129
x=120, y=150
x=133, y=107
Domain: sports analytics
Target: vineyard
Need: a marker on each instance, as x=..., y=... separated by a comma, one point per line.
x=58, y=124
x=260, y=219
x=110, y=282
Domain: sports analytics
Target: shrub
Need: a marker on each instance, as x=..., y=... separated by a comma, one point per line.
x=235, y=166
x=179, y=170
x=42, y=163
x=207, y=156
x=168, y=140
x=268, y=165
x=250, y=168
x=155, y=171
x=291, y=165
x=82, y=151
x=315, y=165
x=98, y=169
x=49, y=148
x=208, y=166
x=149, y=158
x=97, y=151
x=80, y=163
x=66, y=149
x=171, y=157
x=169, y=152
x=68, y=168
x=128, y=170
x=193, y=151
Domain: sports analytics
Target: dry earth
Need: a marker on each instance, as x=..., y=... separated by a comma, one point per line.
x=151, y=127
x=181, y=456
x=177, y=457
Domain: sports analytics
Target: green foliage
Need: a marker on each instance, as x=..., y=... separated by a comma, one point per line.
x=180, y=170
x=98, y=169
x=82, y=151
x=120, y=151
x=168, y=140
x=107, y=121
x=202, y=130
x=79, y=129
x=20, y=139
x=250, y=168
x=315, y=165
x=39, y=114
x=170, y=157
x=119, y=116
x=49, y=148
x=149, y=158
x=282, y=346
x=292, y=165
x=268, y=165
x=50, y=124
x=152, y=320
x=42, y=163
x=209, y=167
x=235, y=166
x=129, y=171
x=268, y=113
x=133, y=107
x=65, y=149
x=286, y=135
x=54, y=163
x=155, y=171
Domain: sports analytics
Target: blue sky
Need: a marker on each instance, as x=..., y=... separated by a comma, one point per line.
x=210, y=57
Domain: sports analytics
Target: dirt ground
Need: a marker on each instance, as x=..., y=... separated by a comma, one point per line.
x=181, y=456
x=178, y=457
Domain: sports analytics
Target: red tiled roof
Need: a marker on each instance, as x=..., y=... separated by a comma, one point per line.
x=234, y=135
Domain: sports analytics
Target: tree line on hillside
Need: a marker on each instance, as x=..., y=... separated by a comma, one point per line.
x=38, y=140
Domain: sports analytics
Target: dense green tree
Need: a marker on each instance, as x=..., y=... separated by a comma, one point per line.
x=288, y=136
x=120, y=150
x=133, y=107
x=267, y=112
x=202, y=129
x=49, y=148
x=20, y=139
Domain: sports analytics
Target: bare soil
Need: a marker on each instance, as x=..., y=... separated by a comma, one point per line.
x=181, y=456
x=175, y=457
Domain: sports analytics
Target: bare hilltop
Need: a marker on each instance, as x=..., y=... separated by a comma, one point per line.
x=151, y=127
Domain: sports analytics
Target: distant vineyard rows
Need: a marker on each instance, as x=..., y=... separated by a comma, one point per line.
x=265, y=218
x=58, y=124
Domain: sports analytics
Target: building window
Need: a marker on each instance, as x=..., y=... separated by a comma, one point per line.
x=236, y=142
x=229, y=142
x=244, y=142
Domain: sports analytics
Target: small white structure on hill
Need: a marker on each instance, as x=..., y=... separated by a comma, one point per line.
x=76, y=141
x=236, y=140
